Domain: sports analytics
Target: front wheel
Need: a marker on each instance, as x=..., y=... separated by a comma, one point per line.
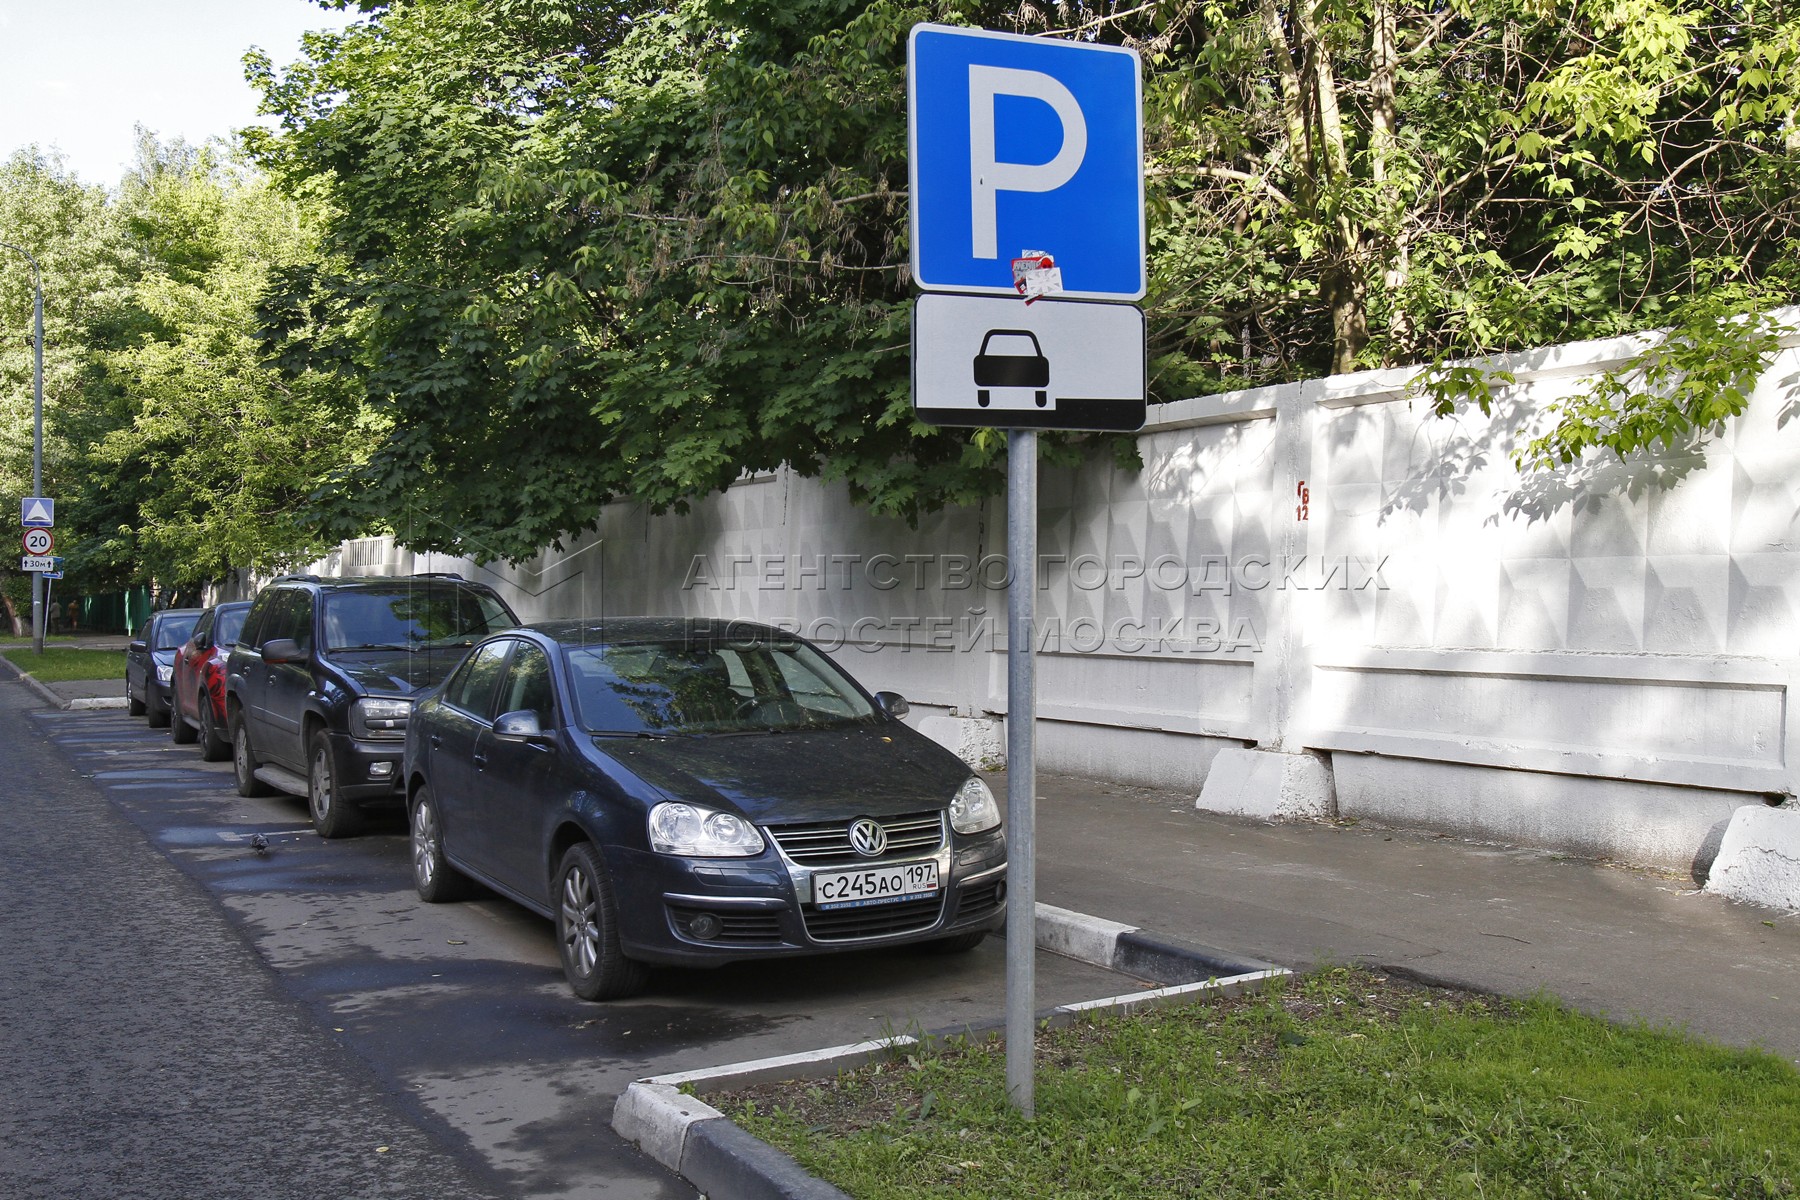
x=214, y=746
x=587, y=929
x=436, y=880
x=243, y=759
x=155, y=711
x=957, y=943
x=180, y=732
x=332, y=815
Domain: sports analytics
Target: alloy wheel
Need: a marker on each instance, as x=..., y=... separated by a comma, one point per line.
x=581, y=933
x=425, y=844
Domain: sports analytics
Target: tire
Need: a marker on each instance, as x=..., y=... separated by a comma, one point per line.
x=436, y=880
x=587, y=929
x=133, y=705
x=156, y=712
x=332, y=815
x=956, y=943
x=214, y=746
x=180, y=732
x=243, y=759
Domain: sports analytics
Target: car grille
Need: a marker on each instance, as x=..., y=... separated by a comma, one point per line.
x=876, y=920
x=981, y=900
x=738, y=928
x=908, y=836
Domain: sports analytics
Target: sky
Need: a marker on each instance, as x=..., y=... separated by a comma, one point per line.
x=79, y=74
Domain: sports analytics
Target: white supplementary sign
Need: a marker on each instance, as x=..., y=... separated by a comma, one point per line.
x=37, y=512
x=37, y=562
x=1020, y=142
x=987, y=360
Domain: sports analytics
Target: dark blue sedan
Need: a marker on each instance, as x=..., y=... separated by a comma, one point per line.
x=694, y=793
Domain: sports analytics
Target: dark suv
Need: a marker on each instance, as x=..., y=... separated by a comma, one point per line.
x=321, y=682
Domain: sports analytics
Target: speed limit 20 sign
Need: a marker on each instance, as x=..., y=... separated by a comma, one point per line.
x=39, y=541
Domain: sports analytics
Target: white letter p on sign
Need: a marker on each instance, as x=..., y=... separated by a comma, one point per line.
x=988, y=177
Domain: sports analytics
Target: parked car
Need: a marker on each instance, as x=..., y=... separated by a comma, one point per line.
x=197, y=688
x=693, y=793
x=150, y=663
x=321, y=682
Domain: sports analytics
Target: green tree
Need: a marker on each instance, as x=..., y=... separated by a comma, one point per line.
x=632, y=251
x=66, y=226
x=221, y=450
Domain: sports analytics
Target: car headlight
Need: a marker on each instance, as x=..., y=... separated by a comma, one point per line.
x=165, y=672
x=973, y=810
x=701, y=832
x=380, y=718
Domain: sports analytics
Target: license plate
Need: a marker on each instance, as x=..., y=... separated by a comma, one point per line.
x=875, y=885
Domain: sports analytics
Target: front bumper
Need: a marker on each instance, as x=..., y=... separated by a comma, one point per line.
x=763, y=906
x=368, y=771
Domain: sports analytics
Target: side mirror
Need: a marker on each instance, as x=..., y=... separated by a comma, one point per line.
x=280, y=650
x=893, y=704
x=203, y=641
x=521, y=726
x=137, y=646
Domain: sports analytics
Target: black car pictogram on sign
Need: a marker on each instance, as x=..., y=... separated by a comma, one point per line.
x=1011, y=367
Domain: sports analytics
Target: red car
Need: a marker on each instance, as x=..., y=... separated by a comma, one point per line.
x=197, y=689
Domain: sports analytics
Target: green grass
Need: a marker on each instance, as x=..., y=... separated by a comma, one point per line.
x=59, y=663
x=1342, y=1084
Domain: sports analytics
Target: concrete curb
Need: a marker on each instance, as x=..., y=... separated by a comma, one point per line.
x=703, y=1146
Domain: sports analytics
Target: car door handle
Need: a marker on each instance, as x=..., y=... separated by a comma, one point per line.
x=436, y=741
x=480, y=762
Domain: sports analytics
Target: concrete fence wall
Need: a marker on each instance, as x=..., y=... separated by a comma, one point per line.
x=1313, y=599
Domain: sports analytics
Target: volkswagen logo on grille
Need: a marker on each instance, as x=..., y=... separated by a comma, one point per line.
x=867, y=837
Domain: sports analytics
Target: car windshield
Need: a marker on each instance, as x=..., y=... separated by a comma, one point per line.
x=711, y=687
x=171, y=632
x=411, y=619
x=230, y=623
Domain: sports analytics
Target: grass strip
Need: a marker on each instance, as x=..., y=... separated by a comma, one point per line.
x=58, y=664
x=1343, y=1083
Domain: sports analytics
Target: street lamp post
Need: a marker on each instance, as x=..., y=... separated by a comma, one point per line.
x=37, y=443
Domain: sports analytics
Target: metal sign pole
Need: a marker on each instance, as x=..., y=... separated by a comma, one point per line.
x=1021, y=768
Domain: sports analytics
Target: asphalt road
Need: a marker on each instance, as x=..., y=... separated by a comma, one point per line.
x=187, y=1017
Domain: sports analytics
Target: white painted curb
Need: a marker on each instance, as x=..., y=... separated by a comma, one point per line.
x=691, y=1138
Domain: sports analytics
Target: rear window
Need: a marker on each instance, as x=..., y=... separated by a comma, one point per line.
x=230, y=623
x=411, y=619
x=171, y=632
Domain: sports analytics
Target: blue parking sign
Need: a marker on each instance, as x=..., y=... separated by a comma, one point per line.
x=1025, y=145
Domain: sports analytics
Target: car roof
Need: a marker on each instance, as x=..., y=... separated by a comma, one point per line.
x=657, y=629
x=175, y=612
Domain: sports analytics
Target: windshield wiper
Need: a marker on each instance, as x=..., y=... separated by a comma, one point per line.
x=374, y=646
x=630, y=733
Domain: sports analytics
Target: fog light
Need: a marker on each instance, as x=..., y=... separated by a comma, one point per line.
x=999, y=893
x=380, y=770
x=705, y=926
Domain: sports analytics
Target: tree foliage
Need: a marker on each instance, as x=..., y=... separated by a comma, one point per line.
x=174, y=451
x=582, y=250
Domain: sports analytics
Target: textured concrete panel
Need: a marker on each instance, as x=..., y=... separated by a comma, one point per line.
x=1646, y=824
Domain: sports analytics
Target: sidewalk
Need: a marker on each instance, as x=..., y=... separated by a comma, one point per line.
x=75, y=693
x=1609, y=940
